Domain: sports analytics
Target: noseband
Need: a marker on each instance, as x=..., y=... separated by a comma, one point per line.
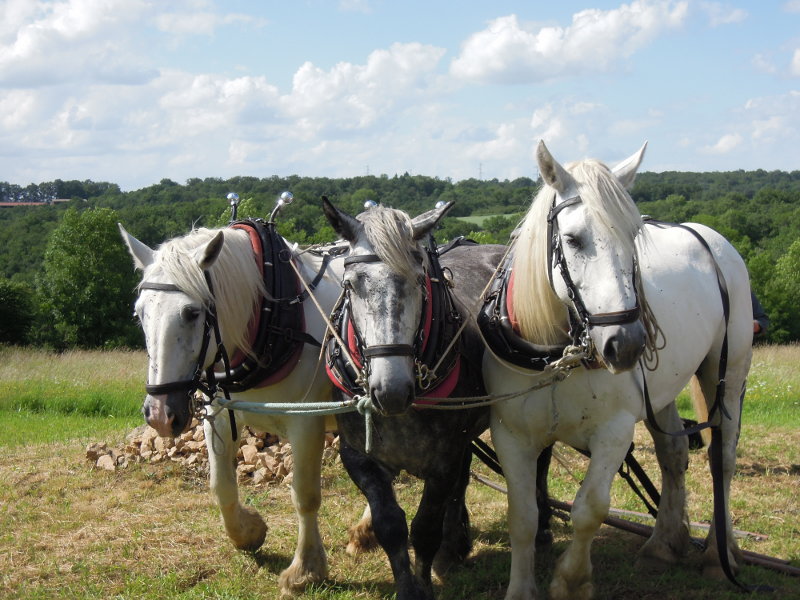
x=556, y=256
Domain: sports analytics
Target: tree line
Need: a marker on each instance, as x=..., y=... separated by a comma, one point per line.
x=66, y=279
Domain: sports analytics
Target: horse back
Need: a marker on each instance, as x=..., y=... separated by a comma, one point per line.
x=471, y=267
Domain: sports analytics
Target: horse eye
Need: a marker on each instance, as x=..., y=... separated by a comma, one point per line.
x=573, y=242
x=189, y=313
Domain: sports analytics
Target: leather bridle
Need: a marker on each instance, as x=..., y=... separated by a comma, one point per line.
x=582, y=320
x=384, y=350
x=203, y=380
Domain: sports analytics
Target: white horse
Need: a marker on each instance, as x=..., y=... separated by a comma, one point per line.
x=174, y=305
x=635, y=288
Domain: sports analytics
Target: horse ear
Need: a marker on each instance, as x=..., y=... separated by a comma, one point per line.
x=424, y=223
x=141, y=253
x=626, y=170
x=342, y=223
x=552, y=172
x=208, y=254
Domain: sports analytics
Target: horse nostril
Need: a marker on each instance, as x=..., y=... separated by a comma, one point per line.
x=610, y=348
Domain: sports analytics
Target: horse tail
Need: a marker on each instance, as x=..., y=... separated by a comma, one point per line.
x=700, y=407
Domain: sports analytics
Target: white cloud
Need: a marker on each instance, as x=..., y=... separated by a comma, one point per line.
x=723, y=14
x=73, y=40
x=772, y=120
x=349, y=97
x=508, y=52
x=763, y=63
x=792, y=6
x=180, y=122
x=727, y=143
x=794, y=68
x=201, y=23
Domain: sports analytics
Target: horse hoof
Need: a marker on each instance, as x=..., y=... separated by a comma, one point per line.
x=713, y=573
x=297, y=576
x=444, y=561
x=656, y=558
x=560, y=590
x=250, y=530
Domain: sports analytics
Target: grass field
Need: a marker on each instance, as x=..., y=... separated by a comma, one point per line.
x=153, y=532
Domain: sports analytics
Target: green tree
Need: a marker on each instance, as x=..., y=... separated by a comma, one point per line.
x=782, y=292
x=16, y=311
x=87, y=283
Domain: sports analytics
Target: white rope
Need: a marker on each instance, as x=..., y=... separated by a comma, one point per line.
x=553, y=373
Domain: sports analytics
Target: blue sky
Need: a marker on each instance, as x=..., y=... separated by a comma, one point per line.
x=133, y=91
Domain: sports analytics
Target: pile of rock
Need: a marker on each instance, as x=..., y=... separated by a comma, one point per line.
x=262, y=458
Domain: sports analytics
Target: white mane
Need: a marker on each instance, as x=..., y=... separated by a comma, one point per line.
x=235, y=277
x=542, y=317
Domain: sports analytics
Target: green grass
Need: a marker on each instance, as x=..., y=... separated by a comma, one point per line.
x=68, y=530
x=24, y=428
x=773, y=388
x=47, y=397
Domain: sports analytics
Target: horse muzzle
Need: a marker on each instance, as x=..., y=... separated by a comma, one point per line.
x=619, y=347
x=168, y=414
x=392, y=385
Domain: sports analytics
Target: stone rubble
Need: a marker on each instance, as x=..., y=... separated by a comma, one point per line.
x=262, y=457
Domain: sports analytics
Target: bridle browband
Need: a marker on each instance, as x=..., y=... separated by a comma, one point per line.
x=555, y=255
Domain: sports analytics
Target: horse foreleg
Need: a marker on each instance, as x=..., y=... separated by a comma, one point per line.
x=670, y=538
x=572, y=579
x=456, y=543
x=518, y=460
x=544, y=536
x=388, y=519
x=244, y=526
x=310, y=564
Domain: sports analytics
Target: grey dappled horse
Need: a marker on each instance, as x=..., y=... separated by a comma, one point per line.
x=388, y=299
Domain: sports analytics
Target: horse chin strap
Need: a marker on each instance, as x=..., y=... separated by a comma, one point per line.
x=202, y=380
x=579, y=327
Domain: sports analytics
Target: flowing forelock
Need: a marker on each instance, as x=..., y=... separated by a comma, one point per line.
x=391, y=235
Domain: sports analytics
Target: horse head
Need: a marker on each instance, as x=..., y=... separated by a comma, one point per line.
x=592, y=224
x=385, y=284
x=177, y=310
